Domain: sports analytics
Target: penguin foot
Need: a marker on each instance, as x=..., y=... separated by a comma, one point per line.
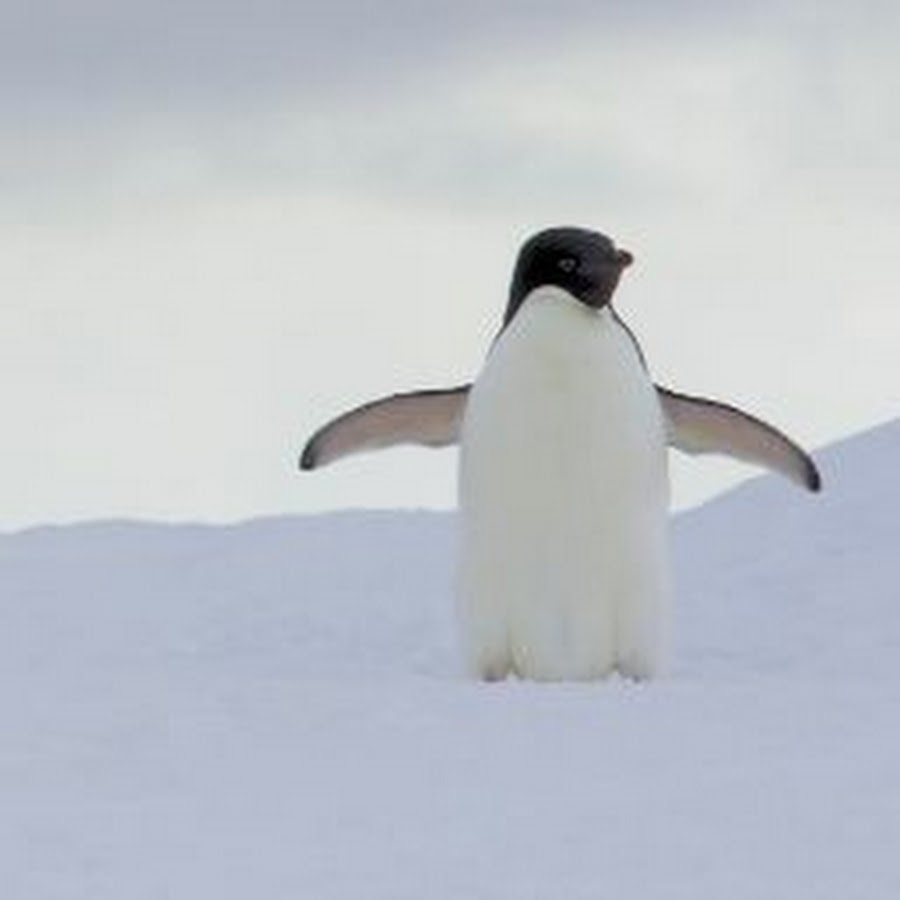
x=493, y=671
x=493, y=668
x=639, y=669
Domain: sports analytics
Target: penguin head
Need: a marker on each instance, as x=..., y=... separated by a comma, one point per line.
x=585, y=264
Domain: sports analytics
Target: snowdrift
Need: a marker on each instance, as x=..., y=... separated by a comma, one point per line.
x=274, y=710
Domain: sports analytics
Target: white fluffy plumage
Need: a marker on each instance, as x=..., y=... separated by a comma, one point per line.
x=564, y=566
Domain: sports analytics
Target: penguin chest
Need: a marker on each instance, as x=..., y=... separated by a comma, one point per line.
x=563, y=496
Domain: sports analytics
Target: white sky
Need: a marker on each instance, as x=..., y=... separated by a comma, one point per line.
x=222, y=223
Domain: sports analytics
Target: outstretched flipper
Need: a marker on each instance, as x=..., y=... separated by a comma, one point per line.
x=430, y=417
x=697, y=425
x=433, y=417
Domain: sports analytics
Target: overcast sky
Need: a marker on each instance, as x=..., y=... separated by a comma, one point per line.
x=222, y=223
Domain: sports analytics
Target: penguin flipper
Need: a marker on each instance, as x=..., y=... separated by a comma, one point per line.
x=698, y=425
x=429, y=417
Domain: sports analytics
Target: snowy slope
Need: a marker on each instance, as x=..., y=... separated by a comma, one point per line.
x=799, y=586
x=274, y=710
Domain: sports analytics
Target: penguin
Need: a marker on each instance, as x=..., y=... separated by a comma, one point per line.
x=564, y=566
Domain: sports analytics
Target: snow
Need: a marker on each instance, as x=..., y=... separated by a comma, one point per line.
x=275, y=710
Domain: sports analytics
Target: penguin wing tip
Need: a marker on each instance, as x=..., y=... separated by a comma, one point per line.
x=309, y=458
x=813, y=478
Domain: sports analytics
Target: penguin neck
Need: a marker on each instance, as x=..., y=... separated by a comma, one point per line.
x=553, y=331
x=553, y=307
x=558, y=316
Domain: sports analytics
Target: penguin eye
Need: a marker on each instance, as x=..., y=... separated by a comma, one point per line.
x=568, y=264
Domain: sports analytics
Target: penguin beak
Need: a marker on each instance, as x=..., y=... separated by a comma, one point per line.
x=624, y=258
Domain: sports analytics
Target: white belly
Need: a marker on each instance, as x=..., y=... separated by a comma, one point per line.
x=564, y=557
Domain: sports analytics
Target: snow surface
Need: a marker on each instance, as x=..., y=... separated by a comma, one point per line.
x=275, y=710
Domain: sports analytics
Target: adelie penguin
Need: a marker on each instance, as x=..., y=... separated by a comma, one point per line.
x=564, y=569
